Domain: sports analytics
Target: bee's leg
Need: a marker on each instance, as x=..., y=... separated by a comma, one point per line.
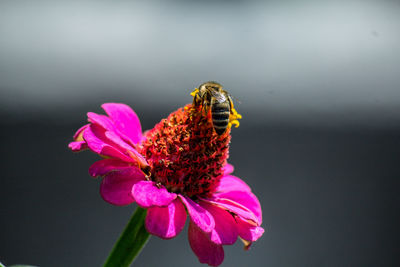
x=205, y=108
x=196, y=97
x=230, y=104
x=234, y=117
x=195, y=100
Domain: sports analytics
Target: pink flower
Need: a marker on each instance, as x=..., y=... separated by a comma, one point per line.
x=177, y=168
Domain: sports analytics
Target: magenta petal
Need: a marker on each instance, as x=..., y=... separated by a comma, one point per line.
x=198, y=215
x=246, y=199
x=96, y=140
x=147, y=194
x=123, y=146
x=125, y=120
x=235, y=208
x=110, y=133
x=207, y=251
x=102, y=167
x=231, y=183
x=136, y=156
x=227, y=169
x=166, y=222
x=116, y=187
x=225, y=231
x=77, y=146
x=249, y=232
x=79, y=132
x=101, y=120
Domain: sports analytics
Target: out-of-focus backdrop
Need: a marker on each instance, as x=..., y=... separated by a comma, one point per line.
x=317, y=83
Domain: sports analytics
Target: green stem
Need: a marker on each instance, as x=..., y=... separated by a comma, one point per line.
x=131, y=241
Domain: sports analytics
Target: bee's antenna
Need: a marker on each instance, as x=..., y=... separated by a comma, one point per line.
x=236, y=100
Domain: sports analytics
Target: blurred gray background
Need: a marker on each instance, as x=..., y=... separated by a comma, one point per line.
x=319, y=89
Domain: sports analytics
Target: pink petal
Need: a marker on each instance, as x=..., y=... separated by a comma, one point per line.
x=111, y=134
x=247, y=231
x=77, y=146
x=235, y=208
x=207, y=251
x=125, y=120
x=102, y=167
x=166, y=222
x=147, y=194
x=246, y=199
x=225, y=232
x=95, y=137
x=116, y=187
x=232, y=183
x=78, y=133
x=127, y=149
x=101, y=120
x=198, y=215
x=227, y=169
x=122, y=145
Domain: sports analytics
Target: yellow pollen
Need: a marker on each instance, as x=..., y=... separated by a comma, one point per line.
x=234, y=118
x=195, y=91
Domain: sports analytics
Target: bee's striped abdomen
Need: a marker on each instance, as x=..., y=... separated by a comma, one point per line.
x=220, y=116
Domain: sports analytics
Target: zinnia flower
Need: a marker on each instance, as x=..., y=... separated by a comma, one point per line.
x=177, y=168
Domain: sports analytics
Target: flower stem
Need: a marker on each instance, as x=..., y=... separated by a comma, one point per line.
x=131, y=241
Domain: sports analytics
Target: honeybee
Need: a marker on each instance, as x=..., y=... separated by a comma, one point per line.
x=211, y=95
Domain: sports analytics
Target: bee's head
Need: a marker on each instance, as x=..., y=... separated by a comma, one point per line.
x=211, y=86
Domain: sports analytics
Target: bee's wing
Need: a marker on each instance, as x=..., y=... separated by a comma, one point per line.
x=218, y=96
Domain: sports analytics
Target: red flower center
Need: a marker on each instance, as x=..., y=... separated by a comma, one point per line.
x=185, y=154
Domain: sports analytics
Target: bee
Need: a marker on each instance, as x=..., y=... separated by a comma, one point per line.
x=211, y=95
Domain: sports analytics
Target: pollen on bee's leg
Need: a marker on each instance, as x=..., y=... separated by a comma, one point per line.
x=235, y=115
x=235, y=122
x=195, y=91
x=234, y=118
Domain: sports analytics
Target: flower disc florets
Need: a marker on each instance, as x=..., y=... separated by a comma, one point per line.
x=185, y=154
